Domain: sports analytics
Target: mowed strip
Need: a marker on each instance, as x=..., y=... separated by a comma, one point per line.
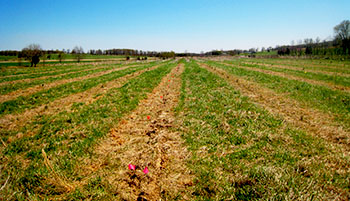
x=49, y=76
x=37, y=163
x=25, y=92
x=16, y=121
x=292, y=77
x=242, y=152
x=147, y=138
x=34, y=72
x=313, y=121
x=305, y=69
x=318, y=64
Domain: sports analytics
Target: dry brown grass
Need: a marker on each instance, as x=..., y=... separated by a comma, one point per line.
x=153, y=142
x=37, y=88
x=298, y=68
x=292, y=77
x=16, y=121
x=315, y=122
x=50, y=76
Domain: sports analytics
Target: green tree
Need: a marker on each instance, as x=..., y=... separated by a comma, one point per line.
x=32, y=53
x=61, y=56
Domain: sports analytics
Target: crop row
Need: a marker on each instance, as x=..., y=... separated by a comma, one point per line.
x=313, y=96
x=338, y=80
x=240, y=152
x=67, y=137
x=21, y=103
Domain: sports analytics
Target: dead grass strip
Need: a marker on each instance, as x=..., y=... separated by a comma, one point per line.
x=25, y=92
x=16, y=121
x=146, y=142
x=49, y=76
x=299, y=69
x=313, y=121
x=292, y=77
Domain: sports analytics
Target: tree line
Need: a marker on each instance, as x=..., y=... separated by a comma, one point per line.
x=340, y=45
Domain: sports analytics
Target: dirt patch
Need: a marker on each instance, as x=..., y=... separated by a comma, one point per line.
x=37, y=88
x=300, y=69
x=147, y=138
x=16, y=121
x=297, y=78
x=313, y=121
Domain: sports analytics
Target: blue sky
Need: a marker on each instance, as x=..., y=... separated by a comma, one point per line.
x=164, y=25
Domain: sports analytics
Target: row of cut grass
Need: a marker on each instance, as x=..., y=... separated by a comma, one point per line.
x=336, y=66
x=22, y=103
x=51, y=71
x=337, y=80
x=4, y=89
x=240, y=152
x=314, y=96
x=67, y=138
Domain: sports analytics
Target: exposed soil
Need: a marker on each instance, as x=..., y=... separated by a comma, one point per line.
x=28, y=91
x=300, y=69
x=292, y=77
x=147, y=138
x=313, y=121
x=16, y=121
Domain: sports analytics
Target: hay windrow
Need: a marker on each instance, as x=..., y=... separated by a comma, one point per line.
x=16, y=121
x=49, y=76
x=315, y=122
x=299, y=68
x=37, y=88
x=147, y=138
x=297, y=78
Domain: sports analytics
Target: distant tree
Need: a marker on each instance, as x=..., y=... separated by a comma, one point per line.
x=308, y=50
x=342, y=32
x=61, y=56
x=317, y=40
x=78, y=53
x=32, y=53
x=43, y=55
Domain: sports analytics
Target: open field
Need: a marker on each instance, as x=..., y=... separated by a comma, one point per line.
x=205, y=128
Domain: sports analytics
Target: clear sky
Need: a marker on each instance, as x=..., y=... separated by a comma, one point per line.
x=164, y=25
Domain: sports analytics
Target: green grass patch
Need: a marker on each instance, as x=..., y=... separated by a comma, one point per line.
x=13, y=87
x=318, y=97
x=240, y=152
x=338, y=80
x=22, y=103
x=66, y=137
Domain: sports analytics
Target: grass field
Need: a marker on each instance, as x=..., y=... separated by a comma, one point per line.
x=206, y=129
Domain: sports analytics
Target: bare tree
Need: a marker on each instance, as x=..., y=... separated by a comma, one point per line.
x=78, y=52
x=317, y=40
x=32, y=53
x=342, y=32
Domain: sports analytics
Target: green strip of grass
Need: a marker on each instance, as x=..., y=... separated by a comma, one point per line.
x=50, y=71
x=338, y=80
x=318, y=97
x=22, y=103
x=66, y=137
x=342, y=67
x=13, y=87
x=240, y=152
